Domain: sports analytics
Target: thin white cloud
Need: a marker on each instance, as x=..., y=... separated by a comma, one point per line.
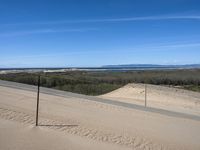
x=42, y=31
x=146, y=18
x=180, y=45
x=155, y=48
x=128, y=19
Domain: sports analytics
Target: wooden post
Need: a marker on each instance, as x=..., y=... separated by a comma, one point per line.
x=145, y=95
x=38, y=98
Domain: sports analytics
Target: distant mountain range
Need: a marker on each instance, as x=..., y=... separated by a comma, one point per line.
x=152, y=66
x=125, y=67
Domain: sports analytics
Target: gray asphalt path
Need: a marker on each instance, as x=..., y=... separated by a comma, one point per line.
x=96, y=99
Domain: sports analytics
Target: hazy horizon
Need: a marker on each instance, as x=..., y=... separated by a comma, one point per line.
x=104, y=66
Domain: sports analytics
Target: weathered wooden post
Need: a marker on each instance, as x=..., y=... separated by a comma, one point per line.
x=38, y=98
x=145, y=95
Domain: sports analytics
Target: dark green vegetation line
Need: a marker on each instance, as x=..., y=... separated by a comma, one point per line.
x=96, y=83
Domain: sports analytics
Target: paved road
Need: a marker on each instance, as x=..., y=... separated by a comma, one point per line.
x=96, y=99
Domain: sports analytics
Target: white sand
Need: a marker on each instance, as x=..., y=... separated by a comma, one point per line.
x=71, y=123
x=159, y=97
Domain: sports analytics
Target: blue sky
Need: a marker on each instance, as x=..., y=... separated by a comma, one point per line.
x=67, y=33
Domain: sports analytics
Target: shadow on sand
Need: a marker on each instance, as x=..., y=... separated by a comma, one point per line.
x=57, y=125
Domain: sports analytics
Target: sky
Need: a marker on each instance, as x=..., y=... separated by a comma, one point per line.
x=92, y=33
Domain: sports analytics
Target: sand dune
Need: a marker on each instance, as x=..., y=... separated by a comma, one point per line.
x=74, y=123
x=159, y=97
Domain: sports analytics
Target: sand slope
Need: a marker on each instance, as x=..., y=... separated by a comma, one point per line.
x=71, y=123
x=16, y=136
x=159, y=97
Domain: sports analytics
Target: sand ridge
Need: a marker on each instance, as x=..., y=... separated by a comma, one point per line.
x=167, y=98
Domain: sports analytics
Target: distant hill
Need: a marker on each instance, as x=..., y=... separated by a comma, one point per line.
x=152, y=66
